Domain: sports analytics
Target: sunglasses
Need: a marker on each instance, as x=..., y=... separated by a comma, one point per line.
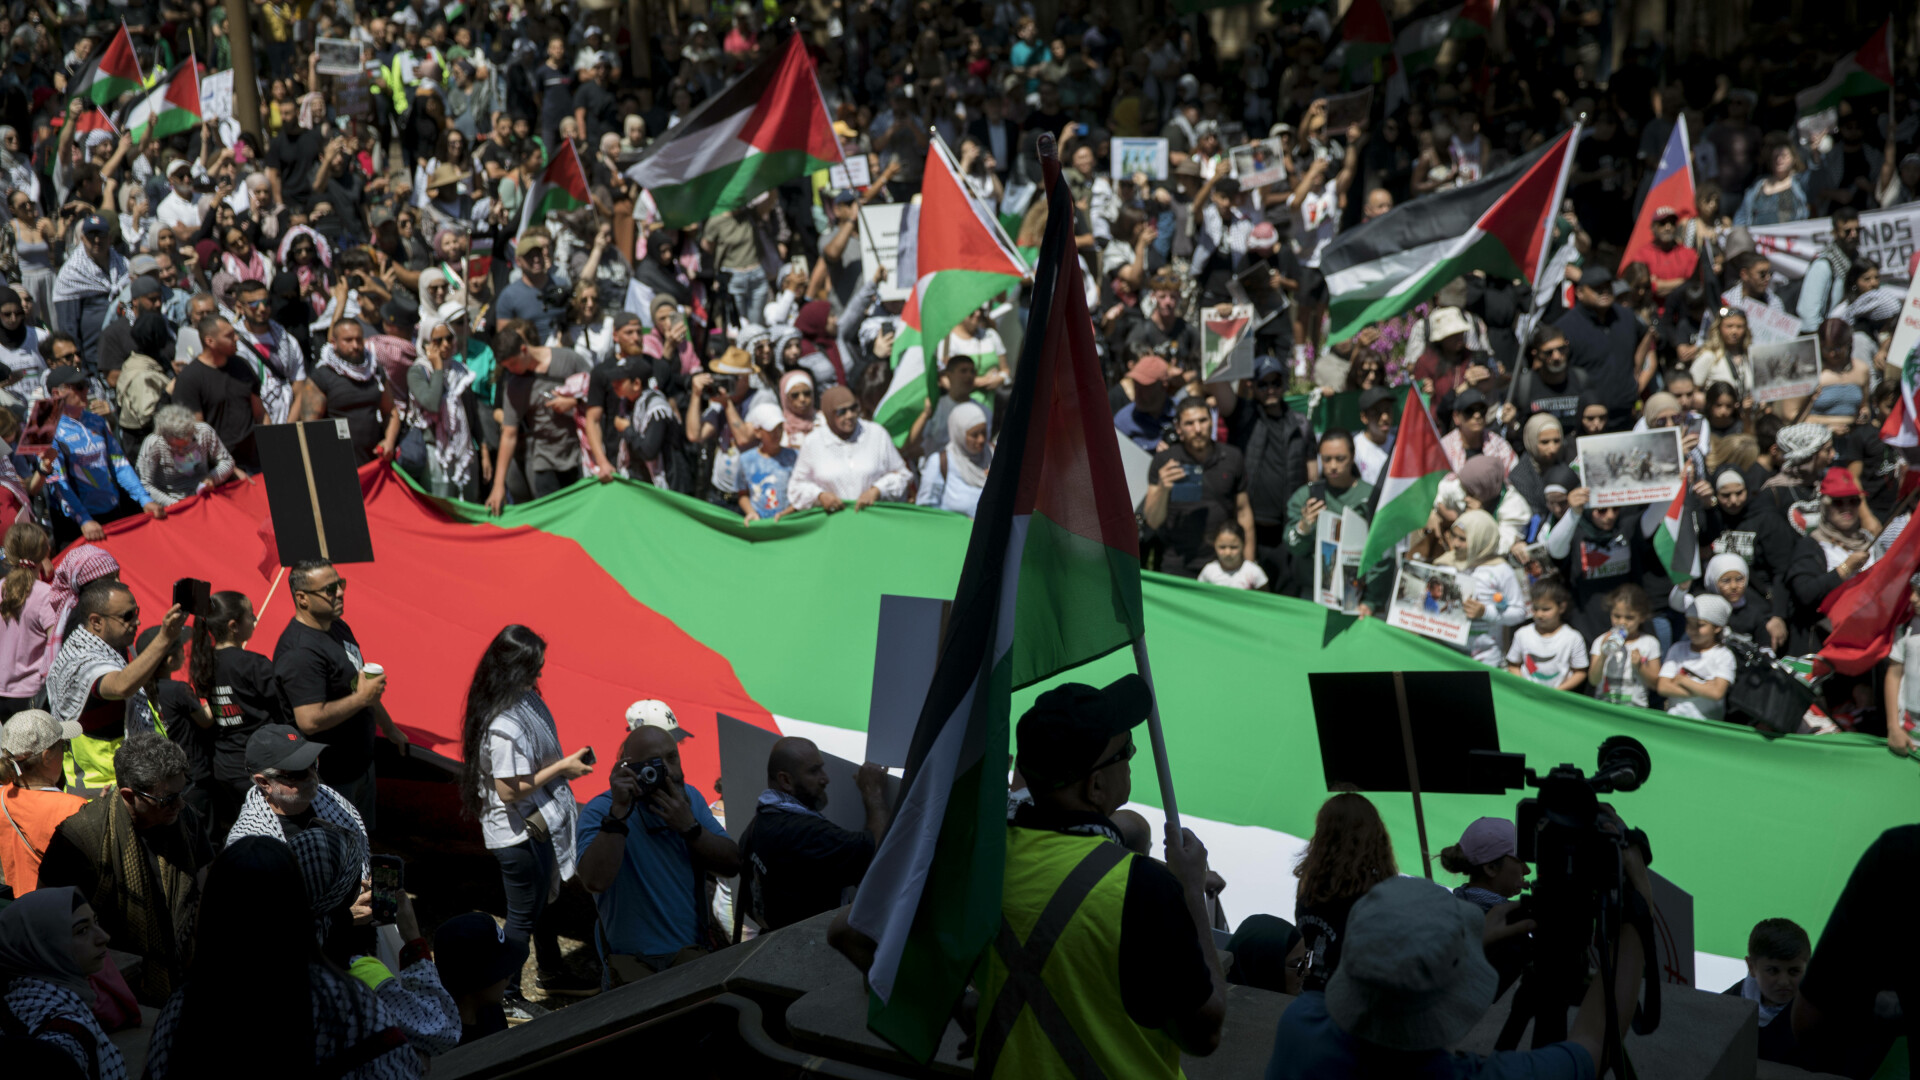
x=1552, y=350
x=845, y=409
x=1475, y=413
x=338, y=588
x=1126, y=754
x=158, y=800
x=1847, y=500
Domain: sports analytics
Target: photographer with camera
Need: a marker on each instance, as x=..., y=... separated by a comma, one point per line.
x=540, y=296
x=646, y=846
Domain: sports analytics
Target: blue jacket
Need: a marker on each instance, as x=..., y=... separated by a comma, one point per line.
x=86, y=466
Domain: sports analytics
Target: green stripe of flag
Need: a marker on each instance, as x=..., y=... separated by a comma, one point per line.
x=732, y=185
x=1077, y=597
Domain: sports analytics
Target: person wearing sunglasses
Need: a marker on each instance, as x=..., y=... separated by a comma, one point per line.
x=93, y=683
x=847, y=461
x=90, y=280
x=136, y=855
x=1844, y=534
x=286, y=795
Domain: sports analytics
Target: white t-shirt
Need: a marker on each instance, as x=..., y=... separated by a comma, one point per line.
x=1715, y=663
x=1495, y=586
x=1548, y=658
x=987, y=345
x=1369, y=457
x=1250, y=576
x=1612, y=677
x=175, y=212
x=1906, y=653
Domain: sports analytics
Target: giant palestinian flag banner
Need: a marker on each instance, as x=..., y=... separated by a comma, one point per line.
x=765, y=128
x=1500, y=225
x=650, y=621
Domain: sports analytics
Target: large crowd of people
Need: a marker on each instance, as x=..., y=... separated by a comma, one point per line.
x=357, y=251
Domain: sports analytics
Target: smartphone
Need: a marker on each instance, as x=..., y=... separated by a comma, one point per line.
x=1083, y=129
x=389, y=884
x=586, y=756
x=193, y=596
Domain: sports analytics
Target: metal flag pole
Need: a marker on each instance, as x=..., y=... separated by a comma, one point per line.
x=1162, y=767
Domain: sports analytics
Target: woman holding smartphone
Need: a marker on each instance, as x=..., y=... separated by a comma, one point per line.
x=514, y=782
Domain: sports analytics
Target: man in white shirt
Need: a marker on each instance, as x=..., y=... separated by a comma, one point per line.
x=1374, y=444
x=177, y=211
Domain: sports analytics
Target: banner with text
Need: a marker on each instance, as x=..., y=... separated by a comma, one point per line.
x=1886, y=236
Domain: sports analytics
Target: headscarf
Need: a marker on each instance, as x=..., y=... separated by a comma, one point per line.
x=1859, y=539
x=1723, y=564
x=1560, y=477
x=797, y=423
x=36, y=932
x=968, y=468
x=837, y=397
x=83, y=564
x=329, y=858
x=306, y=274
x=18, y=168
x=1483, y=478
x=1659, y=404
x=1536, y=424
x=812, y=324
x=1483, y=541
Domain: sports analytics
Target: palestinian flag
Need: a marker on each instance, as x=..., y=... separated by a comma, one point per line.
x=1902, y=427
x=1404, y=496
x=109, y=72
x=1674, y=538
x=171, y=107
x=1368, y=39
x=1500, y=225
x=1051, y=581
x=94, y=119
x=562, y=186
x=1418, y=45
x=1869, y=71
x=962, y=259
x=767, y=127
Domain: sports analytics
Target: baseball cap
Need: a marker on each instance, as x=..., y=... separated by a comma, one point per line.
x=1487, y=839
x=1469, y=399
x=766, y=416
x=1373, y=397
x=1413, y=974
x=1661, y=213
x=280, y=746
x=400, y=312
x=649, y=712
x=1063, y=735
x=1839, y=484
x=178, y=165
x=1147, y=371
x=846, y=196
x=626, y=318
x=1264, y=366
x=145, y=286
x=1709, y=608
x=1596, y=277
x=143, y=264
x=65, y=375
x=93, y=223
x=34, y=731
x=471, y=953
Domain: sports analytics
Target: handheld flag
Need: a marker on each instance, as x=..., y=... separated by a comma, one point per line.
x=1868, y=71
x=1675, y=539
x=765, y=128
x=1368, y=37
x=1405, y=495
x=109, y=73
x=1672, y=187
x=562, y=187
x=171, y=107
x=1869, y=608
x=1051, y=581
x=963, y=259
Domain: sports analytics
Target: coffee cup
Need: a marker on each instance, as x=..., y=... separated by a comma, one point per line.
x=372, y=670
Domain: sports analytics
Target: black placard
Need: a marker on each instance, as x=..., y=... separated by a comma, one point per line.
x=313, y=488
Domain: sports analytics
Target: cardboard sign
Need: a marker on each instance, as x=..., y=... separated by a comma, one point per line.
x=1631, y=467
x=854, y=174
x=216, y=95
x=351, y=96
x=337, y=56
x=1765, y=326
x=880, y=246
x=1150, y=156
x=1786, y=370
x=1226, y=345
x=1672, y=931
x=1258, y=164
x=313, y=492
x=1346, y=110
x=1428, y=600
x=1336, y=564
x=904, y=658
x=744, y=750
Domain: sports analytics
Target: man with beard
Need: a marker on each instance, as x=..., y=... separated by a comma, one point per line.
x=1278, y=447
x=1603, y=337
x=1825, y=285
x=1731, y=527
x=270, y=350
x=1551, y=384
x=796, y=863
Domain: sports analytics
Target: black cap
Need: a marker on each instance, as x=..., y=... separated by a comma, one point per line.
x=145, y=286
x=1467, y=399
x=400, y=311
x=1063, y=735
x=278, y=746
x=471, y=953
x=65, y=375
x=1596, y=277
x=1374, y=397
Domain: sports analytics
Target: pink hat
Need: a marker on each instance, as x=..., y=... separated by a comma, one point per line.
x=1487, y=839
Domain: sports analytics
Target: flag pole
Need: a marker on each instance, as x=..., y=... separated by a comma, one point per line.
x=1162, y=767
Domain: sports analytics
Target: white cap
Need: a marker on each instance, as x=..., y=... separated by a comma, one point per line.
x=34, y=731
x=655, y=714
x=766, y=416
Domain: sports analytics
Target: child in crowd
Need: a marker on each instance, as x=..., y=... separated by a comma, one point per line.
x=1230, y=566
x=1699, y=671
x=1778, y=951
x=1727, y=574
x=1492, y=592
x=1902, y=700
x=1547, y=650
x=761, y=471
x=1620, y=654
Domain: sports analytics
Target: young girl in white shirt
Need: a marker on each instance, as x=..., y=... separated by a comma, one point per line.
x=1230, y=566
x=1548, y=651
x=1621, y=652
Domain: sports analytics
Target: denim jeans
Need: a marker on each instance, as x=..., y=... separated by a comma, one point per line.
x=526, y=872
x=749, y=291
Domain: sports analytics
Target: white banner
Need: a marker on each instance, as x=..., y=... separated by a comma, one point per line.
x=1888, y=237
x=216, y=95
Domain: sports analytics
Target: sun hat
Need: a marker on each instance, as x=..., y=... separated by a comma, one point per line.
x=1412, y=974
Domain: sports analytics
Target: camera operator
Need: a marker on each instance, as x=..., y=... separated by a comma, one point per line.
x=1414, y=980
x=1489, y=855
x=645, y=847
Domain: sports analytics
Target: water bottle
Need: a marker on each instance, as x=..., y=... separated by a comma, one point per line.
x=1613, y=658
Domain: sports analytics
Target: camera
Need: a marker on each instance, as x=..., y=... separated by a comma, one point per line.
x=720, y=387
x=553, y=295
x=652, y=774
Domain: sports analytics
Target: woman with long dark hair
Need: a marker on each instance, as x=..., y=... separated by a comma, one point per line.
x=26, y=616
x=1350, y=852
x=247, y=912
x=243, y=692
x=513, y=780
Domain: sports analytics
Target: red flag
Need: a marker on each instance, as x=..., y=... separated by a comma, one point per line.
x=1869, y=609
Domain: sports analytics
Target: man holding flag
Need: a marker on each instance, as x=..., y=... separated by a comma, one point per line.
x=1091, y=961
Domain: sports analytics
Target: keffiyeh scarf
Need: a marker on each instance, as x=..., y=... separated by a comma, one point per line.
x=84, y=660
x=258, y=819
x=452, y=447
x=781, y=802
x=367, y=370
x=80, y=276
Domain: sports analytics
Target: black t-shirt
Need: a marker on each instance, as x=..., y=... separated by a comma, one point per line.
x=296, y=153
x=801, y=863
x=177, y=707
x=245, y=695
x=600, y=396
x=223, y=395
x=556, y=100
x=1562, y=402
x=358, y=403
x=603, y=115
x=315, y=667
x=1878, y=465
x=1201, y=503
x=1178, y=345
x=494, y=153
x=1321, y=927
x=1163, y=976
